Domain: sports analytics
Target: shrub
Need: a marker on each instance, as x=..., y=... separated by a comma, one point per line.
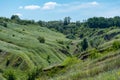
x=116, y=45
x=10, y=75
x=23, y=29
x=48, y=59
x=34, y=73
x=70, y=61
x=3, y=24
x=84, y=44
x=94, y=54
x=70, y=36
x=60, y=41
x=13, y=35
x=41, y=39
x=8, y=62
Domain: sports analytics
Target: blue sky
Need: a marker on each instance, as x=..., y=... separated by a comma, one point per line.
x=58, y=9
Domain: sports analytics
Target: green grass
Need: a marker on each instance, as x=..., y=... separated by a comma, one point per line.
x=21, y=51
x=90, y=70
x=19, y=45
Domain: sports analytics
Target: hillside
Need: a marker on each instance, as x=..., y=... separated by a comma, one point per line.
x=20, y=48
x=38, y=51
x=99, y=61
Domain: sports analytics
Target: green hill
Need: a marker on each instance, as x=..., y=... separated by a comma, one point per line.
x=99, y=62
x=20, y=48
x=38, y=51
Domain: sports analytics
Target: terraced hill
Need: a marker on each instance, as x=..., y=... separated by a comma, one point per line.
x=99, y=62
x=21, y=49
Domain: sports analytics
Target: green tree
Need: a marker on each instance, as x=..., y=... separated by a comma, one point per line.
x=84, y=44
x=41, y=39
x=67, y=20
x=116, y=21
x=15, y=17
x=78, y=23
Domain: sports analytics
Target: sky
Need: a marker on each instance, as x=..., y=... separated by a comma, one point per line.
x=58, y=9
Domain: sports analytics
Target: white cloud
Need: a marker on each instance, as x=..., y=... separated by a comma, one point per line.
x=77, y=6
x=30, y=7
x=94, y=3
x=62, y=7
x=18, y=14
x=20, y=7
x=49, y=5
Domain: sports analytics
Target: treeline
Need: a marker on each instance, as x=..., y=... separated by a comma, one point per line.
x=65, y=26
x=70, y=29
x=16, y=19
x=95, y=22
x=101, y=22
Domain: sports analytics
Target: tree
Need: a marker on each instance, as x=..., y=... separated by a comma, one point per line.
x=15, y=17
x=70, y=36
x=41, y=39
x=67, y=20
x=84, y=44
x=41, y=23
x=78, y=23
x=116, y=21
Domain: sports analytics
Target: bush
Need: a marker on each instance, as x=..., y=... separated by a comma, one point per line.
x=3, y=24
x=84, y=44
x=70, y=36
x=33, y=74
x=70, y=61
x=116, y=45
x=10, y=75
x=41, y=39
x=94, y=54
x=60, y=41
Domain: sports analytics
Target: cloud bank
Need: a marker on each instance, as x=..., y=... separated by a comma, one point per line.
x=62, y=7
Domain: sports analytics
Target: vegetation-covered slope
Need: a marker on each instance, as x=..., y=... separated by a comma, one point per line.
x=24, y=47
x=31, y=52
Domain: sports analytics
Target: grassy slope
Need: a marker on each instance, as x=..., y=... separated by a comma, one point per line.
x=104, y=67
x=21, y=49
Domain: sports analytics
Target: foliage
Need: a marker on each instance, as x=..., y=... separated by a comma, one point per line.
x=70, y=36
x=94, y=54
x=48, y=59
x=41, y=23
x=116, y=45
x=70, y=61
x=15, y=17
x=101, y=22
x=26, y=22
x=34, y=73
x=3, y=24
x=78, y=23
x=67, y=20
x=41, y=39
x=84, y=44
x=10, y=75
x=60, y=41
